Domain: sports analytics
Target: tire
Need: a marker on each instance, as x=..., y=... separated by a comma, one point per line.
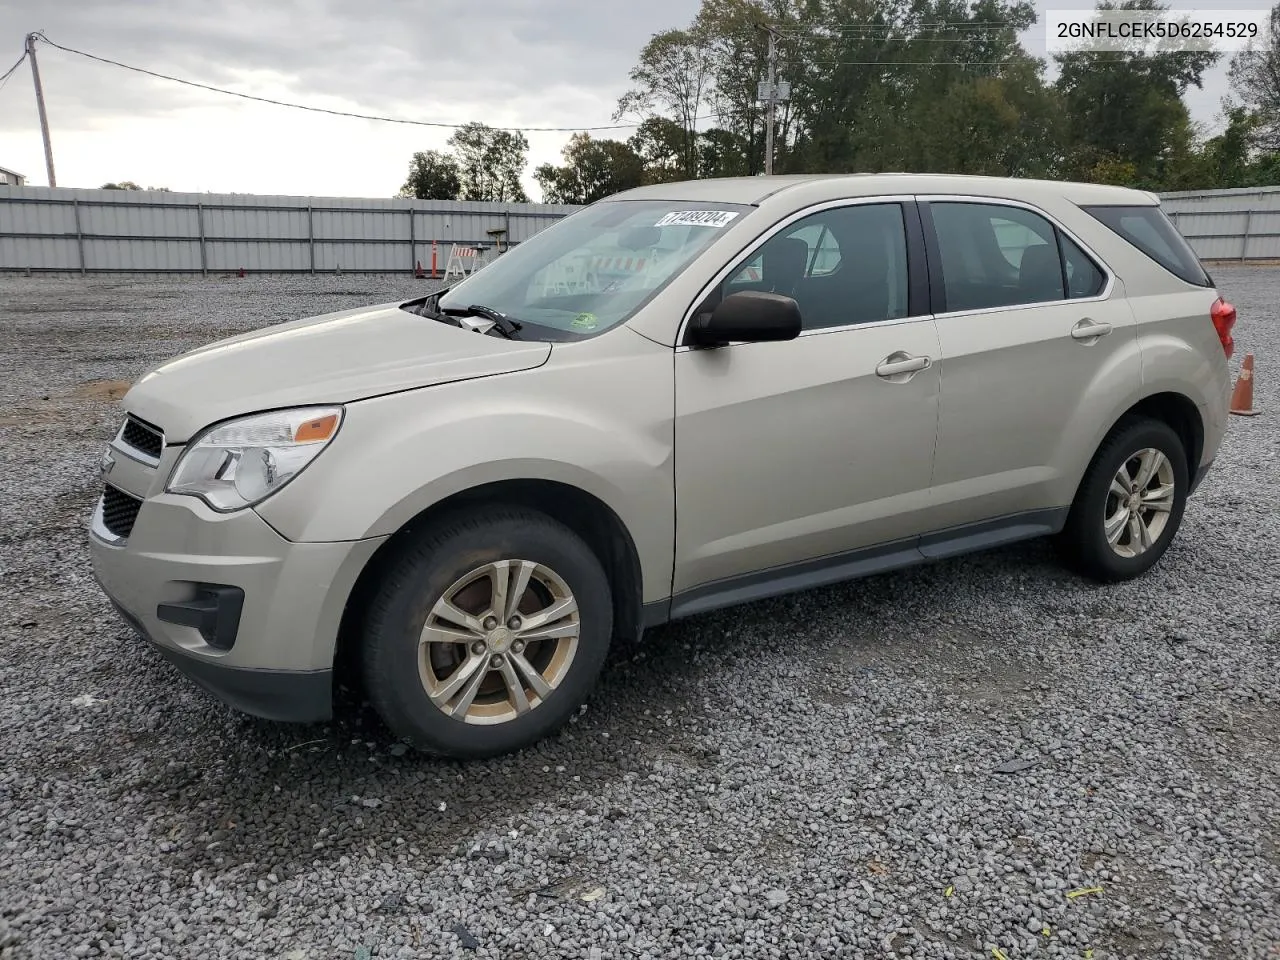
x=1098, y=506
x=413, y=643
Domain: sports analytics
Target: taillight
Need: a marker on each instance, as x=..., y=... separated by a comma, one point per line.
x=1223, y=316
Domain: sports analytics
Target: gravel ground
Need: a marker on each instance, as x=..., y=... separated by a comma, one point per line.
x=838, y=793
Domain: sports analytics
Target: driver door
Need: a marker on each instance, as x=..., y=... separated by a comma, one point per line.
x=810, y=460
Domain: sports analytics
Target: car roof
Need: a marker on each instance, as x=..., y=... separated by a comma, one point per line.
x=755, y=190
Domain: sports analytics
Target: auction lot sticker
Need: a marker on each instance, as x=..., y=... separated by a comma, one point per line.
x=697, y=218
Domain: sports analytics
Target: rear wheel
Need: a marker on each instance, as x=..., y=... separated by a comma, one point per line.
x=1130, y=503
x=488, y=633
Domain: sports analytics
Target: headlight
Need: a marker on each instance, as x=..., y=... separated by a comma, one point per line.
x=242, y=462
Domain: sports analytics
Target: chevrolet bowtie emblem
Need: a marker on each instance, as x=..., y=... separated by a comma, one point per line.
x=107, y=463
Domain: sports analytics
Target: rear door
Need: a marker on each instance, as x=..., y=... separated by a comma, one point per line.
x=793, y=457
x=1029, y=322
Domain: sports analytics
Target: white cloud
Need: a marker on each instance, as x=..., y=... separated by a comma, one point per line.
x=504, y=62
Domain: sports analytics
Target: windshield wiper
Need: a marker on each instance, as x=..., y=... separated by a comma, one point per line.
x=501, y=322
x=428, y=307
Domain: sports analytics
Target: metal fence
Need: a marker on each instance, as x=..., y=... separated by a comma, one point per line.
x=1239, y=225
x=96, y=231
x=116, y=231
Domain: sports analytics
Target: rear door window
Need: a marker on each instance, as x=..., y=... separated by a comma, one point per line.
x=1148, y=229
x=998, y=255
x=995, y=255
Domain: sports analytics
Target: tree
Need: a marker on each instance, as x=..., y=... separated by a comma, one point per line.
x=490, y=162
x=432, y=176
x=593, y=170
x=130, y=185
x=1255, y=77
x=723, y=153
x=660, y=144
x=674, y=75
x=1126, y=108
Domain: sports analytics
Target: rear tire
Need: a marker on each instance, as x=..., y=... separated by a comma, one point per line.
x=1129, y=504
x=488, y=633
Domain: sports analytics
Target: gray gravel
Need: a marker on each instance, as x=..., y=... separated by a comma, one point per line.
x=810, y=776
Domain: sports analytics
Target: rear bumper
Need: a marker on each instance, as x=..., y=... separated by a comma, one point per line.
x=289, y=695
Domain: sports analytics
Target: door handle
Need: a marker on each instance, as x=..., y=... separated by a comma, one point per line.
x=1087, y=329
x=901, y=365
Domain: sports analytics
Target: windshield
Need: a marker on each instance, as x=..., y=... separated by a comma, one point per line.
x=595, y=268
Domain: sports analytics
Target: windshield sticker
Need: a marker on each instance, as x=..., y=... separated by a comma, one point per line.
x=585, y=321
x=697, y=218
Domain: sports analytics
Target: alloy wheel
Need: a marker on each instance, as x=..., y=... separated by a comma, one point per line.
x=1139, y=503
x=499, y=641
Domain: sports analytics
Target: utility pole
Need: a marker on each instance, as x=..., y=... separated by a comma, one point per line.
x=44, y=117
x=772, y=109
x=771, y=91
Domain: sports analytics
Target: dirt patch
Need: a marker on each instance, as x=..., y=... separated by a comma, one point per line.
x=110, y=390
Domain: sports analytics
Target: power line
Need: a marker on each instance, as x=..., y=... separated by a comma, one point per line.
x=336, y=113
x=9, y=73
x=915, y=63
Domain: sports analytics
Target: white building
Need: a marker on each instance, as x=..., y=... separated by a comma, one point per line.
x=11, y=178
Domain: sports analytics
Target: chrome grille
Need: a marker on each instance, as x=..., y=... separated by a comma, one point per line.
x=143, y=437
x=119, y=511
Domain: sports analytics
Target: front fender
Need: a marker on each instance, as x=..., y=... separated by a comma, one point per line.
x=603, y=424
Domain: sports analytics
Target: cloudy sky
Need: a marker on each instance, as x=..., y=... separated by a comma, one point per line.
x=546, y=63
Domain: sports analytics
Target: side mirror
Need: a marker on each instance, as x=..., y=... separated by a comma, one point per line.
x=748, y=316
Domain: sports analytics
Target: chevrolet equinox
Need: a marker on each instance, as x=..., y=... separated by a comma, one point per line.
x=683, y=397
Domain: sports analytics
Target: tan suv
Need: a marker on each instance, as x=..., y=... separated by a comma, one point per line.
x=687, y=396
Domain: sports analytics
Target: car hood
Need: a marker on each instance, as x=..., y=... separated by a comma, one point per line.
x=334, y=358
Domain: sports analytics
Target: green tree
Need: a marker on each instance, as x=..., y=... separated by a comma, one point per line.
x=723, y=153
x=939, y=85
x=673, y=75
x=490, y=163
x=660, y=144
x=737, y=47
x=433, y=175
x=1126, y=108
x=1255, y=79
x=122, y=185
x=593, y=169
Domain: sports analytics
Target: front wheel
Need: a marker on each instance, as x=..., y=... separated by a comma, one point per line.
x=1130, y=503
x=488, y=633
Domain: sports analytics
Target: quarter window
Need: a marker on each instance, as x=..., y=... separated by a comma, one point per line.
x=994, y=255
x=1152, y=232
x=1084, y=278
x=843, y=266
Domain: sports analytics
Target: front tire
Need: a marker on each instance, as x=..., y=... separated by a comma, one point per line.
x=1130, y=503
x=488, y=633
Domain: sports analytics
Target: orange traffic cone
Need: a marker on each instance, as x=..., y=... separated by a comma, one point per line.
x=418, y=271
x=1242, y=396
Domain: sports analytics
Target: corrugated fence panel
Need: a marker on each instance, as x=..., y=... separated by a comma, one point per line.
x=362, y=257
x=362, y=225
x=44, y=253
x=39, y=218
x=1228, y=224
x=119, y=220
x=145, y=256
x=278, y=256
x=252, y=224
x=1264, y=236
x=145, y=231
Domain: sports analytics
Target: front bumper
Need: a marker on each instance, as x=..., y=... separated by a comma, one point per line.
x=1201, y=472
x=276, y=659
x=289, y=695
